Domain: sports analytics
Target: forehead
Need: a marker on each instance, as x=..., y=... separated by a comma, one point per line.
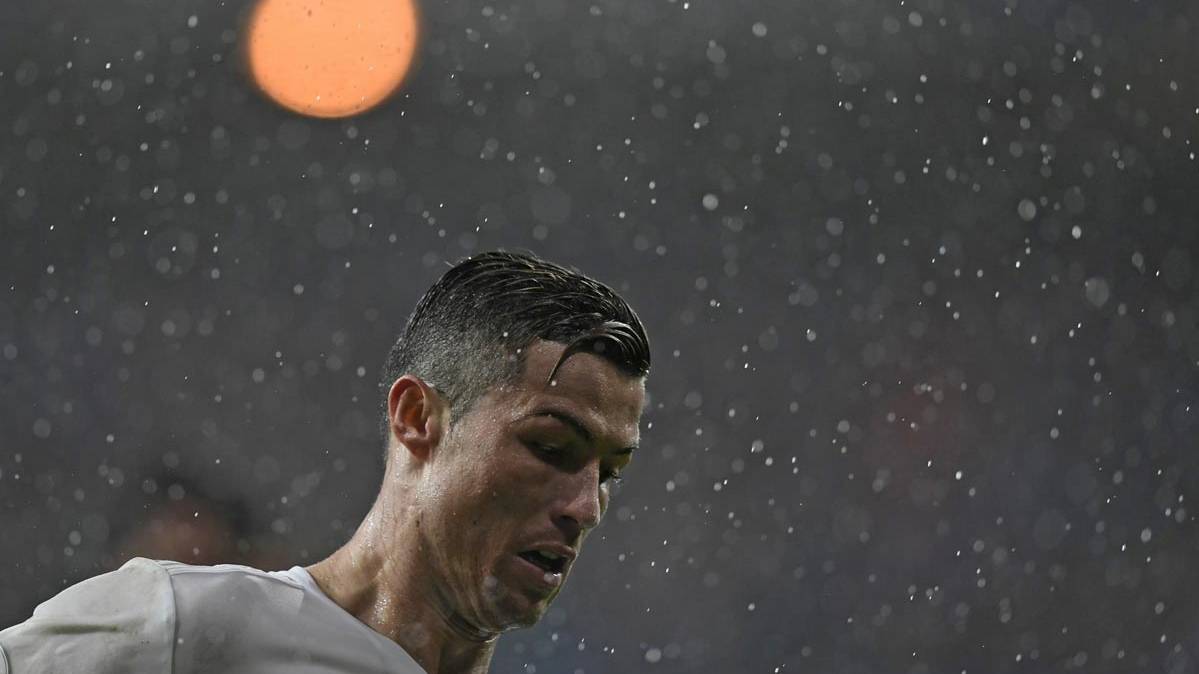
x=585, y=385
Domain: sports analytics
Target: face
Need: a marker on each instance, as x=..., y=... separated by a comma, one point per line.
x=522, y=478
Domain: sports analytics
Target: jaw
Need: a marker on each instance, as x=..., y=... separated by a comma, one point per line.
x=495, y=606
x=510, y=602
x=449, y=609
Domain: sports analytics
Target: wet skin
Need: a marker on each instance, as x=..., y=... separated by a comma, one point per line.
x=434, y=565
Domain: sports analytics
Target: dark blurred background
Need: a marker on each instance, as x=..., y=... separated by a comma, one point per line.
x=920, y=279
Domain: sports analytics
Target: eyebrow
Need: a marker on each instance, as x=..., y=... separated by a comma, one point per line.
x=576, y=425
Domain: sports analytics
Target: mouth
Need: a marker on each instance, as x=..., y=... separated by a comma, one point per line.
x=545, y=560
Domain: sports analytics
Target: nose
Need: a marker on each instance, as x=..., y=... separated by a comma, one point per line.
x=580, y=508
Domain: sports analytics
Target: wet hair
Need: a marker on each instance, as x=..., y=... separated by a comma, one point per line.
x=471, y=330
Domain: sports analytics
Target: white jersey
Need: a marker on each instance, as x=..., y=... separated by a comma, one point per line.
x=172, y=618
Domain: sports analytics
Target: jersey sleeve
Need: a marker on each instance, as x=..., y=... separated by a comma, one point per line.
x=118, y=622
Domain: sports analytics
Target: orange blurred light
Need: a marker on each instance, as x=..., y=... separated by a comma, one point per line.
x=330, y=58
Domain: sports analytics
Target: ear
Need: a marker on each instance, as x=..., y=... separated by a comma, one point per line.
x=415, y=413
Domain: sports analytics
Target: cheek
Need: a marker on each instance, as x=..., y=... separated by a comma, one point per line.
x=498, y=506
x=520, y=479
x=487, y=515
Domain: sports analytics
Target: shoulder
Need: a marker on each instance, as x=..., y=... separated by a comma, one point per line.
x=223, y=574
x=132, y=596
x=202, y=590
x=121, y=621
x=230, y=617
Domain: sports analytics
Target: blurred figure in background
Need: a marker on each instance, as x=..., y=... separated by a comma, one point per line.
x=180, y=521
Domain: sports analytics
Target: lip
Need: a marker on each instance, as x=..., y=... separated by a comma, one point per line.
x=558, y=549
x=537, y=576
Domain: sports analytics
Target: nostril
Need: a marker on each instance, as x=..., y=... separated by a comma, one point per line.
x=571, y=526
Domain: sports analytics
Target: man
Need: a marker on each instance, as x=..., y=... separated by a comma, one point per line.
x=513, y=402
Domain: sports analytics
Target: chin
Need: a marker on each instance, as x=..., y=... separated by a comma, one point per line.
x=530, y=614
x=521, y=611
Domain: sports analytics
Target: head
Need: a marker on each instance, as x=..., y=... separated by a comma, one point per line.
x=514, y=400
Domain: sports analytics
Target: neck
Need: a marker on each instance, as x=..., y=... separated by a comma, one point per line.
x=381, y=578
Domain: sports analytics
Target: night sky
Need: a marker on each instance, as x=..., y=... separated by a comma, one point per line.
x=920, y=279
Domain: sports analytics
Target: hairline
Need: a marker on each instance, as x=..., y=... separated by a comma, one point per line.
x=513, y=378
x=464, y=359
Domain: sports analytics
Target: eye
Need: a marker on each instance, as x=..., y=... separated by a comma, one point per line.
x=548, y=450
x=553, y=453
